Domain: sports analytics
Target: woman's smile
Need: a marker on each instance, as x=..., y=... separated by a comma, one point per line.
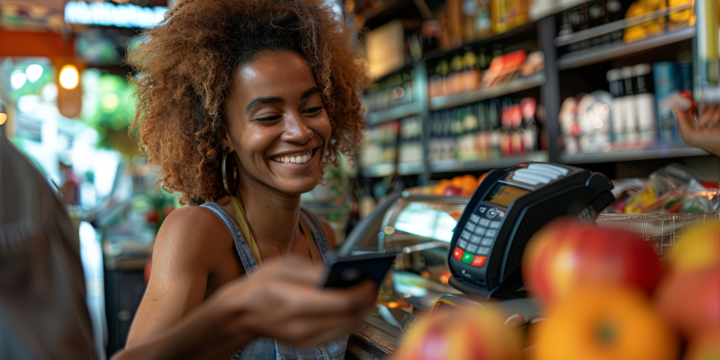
x=297, y=159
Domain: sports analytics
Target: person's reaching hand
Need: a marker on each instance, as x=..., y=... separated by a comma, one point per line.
x=705, y=133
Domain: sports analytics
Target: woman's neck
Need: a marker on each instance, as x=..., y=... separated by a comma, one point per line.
x=274, y=216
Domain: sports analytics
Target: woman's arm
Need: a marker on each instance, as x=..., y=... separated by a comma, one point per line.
x=281, y=300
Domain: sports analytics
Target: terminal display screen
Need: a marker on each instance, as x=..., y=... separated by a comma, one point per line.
x=504, y=195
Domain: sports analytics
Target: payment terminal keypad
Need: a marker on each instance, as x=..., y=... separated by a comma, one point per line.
x=478, y=236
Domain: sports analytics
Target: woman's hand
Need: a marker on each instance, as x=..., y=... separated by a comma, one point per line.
x=704, y=134
x=283, y=300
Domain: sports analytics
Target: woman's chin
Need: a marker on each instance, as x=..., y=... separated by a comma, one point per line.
x=298, y=186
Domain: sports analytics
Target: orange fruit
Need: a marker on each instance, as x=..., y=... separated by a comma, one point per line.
x=698, y=249
x=604, y=323
x=440, y=187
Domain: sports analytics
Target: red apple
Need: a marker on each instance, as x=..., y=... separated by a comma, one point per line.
x=568, y=254
x=463, y=334
x=690, y=300
x=452, y=191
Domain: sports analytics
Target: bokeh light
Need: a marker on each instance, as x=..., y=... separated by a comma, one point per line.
x=69, y=77
x=34, y=72
x=3, y=118
x=17, y=79
x=110, y=101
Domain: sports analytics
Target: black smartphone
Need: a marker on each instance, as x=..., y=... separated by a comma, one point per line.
x=352, y=270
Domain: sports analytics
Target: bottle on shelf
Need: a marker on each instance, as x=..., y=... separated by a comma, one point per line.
x=631, y=121
x=471, y=71
x=614, y=78
x=644, y=103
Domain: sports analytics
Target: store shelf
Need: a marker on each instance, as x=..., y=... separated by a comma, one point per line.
x=379, y=170
x=631, y=154
x=411, y=169
x=397, y=112
x=499, y=163
x=615, y=26
x=612, y=51
x=387, y=169
x=528, y=29
x=445, y=102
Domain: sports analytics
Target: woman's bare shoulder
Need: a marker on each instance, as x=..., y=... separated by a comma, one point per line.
x=193, y=236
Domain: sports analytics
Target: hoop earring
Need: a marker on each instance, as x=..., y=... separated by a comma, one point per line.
x=224, y=168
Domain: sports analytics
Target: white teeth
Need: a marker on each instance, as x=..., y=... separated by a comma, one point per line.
x=299, y=159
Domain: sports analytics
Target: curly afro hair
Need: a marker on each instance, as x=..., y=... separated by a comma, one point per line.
x=185, y=68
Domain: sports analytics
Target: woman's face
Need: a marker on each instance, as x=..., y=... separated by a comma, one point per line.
x=278, y=126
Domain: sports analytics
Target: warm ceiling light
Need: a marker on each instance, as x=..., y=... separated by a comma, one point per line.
x=69, y=77
x=3, y=118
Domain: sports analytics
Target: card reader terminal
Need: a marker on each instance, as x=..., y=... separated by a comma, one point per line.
x=507, y=208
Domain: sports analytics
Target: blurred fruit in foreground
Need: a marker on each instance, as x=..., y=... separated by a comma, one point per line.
x=706, y=346
x=689, y=295
x=458, y=186
x=464, y=334
x=698, y=249
x=604, y=323
x=568, y=254
x=690, y=300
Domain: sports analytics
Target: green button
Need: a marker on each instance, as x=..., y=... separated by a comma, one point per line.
x=468, y=258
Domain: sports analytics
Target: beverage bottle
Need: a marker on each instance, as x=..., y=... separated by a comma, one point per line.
x=616, y=84
x=631, y=120
x=471, y=72
x=645, y=103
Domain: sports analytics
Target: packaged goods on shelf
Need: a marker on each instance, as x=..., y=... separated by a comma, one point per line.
x=670, y=80
x=392, y=91
x=582, y=27
x=484, y=130
x=379, y=144
x=411, y=145
x=636, y=113
x=471, y=71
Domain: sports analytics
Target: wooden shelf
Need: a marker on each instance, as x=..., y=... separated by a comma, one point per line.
x=469, y=97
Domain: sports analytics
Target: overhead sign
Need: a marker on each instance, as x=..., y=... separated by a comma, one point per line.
x=108, y=14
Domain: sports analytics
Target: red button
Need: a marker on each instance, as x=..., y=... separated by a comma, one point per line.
x=458, y=254
x=479, y=261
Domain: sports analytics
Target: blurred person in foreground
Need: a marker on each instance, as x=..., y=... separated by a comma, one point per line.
x=702, y=132
x=240, y=106
x=43, y=313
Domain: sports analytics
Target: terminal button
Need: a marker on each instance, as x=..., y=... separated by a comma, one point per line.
x=463, y=244
x=480, y=230
x=474, y=218
x=467, y=258
x=458, y=254
x=484, y=222
x=472, y=248
x=483, y=250
x=491, y=233
x=479, y=261
x=494, y=224
x=475, y=239
x=486, y=242
x=465, y=235
x=470, y=227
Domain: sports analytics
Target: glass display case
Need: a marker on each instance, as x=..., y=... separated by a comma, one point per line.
x=420, y=228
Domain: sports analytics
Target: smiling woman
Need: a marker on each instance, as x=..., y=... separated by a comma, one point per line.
x=240, y=105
